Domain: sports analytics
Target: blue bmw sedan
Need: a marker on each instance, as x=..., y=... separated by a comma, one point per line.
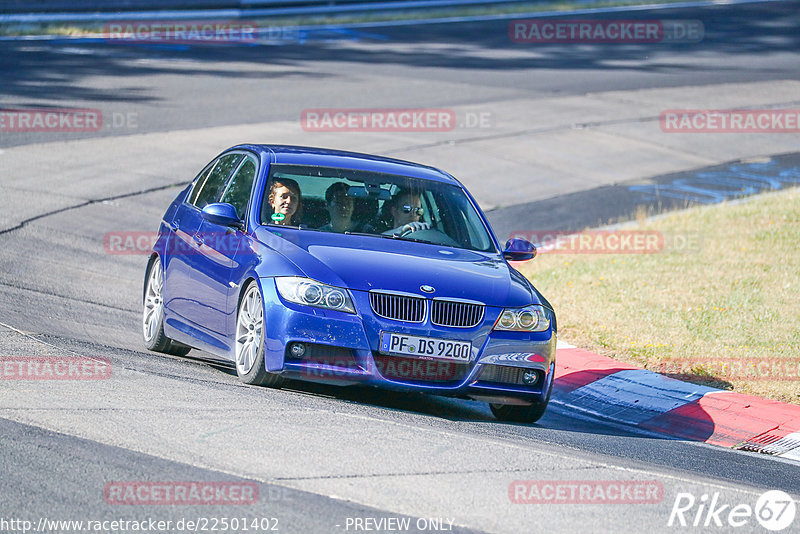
x=316, y=264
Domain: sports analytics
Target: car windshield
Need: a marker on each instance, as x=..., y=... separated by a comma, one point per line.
x=348, y=201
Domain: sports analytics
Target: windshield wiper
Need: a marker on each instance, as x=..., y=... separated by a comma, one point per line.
x=415, y=240
x=364, y=233
x=389, y=236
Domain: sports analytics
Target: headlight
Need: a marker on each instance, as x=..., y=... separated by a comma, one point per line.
x=312, y=293
x=534, y=318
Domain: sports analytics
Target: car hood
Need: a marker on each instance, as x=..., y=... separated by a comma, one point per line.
x=365, y=263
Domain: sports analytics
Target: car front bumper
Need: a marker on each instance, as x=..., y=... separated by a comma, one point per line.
x=343, y=349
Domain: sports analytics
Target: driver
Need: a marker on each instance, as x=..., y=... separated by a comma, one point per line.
x=406, y=211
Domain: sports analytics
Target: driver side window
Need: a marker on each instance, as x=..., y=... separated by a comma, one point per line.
x=238, y=191
x=209, y=186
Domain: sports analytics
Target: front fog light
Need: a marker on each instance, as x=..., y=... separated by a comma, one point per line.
x=297, y=350
x=529, y=378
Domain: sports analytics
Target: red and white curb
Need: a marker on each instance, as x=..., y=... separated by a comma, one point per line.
x=604, y=387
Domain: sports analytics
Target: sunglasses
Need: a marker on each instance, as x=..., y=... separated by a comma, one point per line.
x=412, y=209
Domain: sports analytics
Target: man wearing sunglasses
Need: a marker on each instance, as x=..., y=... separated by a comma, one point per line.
x=406, y=210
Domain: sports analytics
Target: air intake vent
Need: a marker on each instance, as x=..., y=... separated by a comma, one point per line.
x=398, y=307
x=503, y=374
x=415, y=370
x=457, y=314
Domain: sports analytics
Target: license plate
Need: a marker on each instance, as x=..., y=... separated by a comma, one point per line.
x=425, y=347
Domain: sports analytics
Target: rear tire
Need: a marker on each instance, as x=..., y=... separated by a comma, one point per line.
x=249, y=342
x=153, y=315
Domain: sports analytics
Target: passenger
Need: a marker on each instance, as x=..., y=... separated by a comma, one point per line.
x=286, y=202
x=405, y=211
x=340, y=207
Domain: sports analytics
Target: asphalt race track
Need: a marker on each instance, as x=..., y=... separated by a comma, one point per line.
x=326, y=459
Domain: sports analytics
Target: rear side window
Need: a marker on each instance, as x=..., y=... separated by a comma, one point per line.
x=238, y=192
x=209, y=185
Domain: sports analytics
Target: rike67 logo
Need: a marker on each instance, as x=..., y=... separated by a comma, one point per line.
x=774, y=510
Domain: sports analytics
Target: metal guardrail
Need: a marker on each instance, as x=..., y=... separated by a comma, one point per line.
x=43, y=11
x=86, y=6
x=8, y=7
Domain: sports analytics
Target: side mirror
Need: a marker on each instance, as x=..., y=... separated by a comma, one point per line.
x=519, y=250
x=223, y=214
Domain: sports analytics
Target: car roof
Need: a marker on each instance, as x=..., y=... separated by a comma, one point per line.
x=324, y=157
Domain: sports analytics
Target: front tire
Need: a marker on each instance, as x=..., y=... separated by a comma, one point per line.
x=525, y=414
x=153, y=315
x=519, y=414
x=250, y=364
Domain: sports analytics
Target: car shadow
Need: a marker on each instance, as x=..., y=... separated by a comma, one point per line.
x=689, y=422
x=455, y=409
x=450, y=408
